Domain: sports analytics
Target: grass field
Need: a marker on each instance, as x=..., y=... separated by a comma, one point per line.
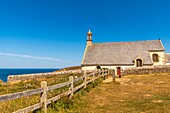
x=129, y=94
x=13, y=105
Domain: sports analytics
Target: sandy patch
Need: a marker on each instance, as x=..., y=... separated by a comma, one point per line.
x=160, y=82
x=147, y=95
x=157, y=101
x=121, y=100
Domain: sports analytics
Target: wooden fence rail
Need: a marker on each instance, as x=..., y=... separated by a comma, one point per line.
x=86, y=78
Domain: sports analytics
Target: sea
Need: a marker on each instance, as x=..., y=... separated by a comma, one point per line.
x=4, y=73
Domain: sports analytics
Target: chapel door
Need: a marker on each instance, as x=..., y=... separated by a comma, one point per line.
x=118, y=71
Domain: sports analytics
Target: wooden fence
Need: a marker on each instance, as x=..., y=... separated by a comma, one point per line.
x=87, y=78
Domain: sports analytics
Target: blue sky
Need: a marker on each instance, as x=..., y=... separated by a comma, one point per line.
x=52, y=33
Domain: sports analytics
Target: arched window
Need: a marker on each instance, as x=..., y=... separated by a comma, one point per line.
x=138, y=63
x=155, y=58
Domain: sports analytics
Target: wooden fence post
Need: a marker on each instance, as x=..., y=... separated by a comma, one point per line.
x=113, y=76
x=104, y=76
x=71, y=86
x=85, y=79
x=44, y=96
x=108, y=72
x=98, y=72
x=93, y=75
x=102, y=71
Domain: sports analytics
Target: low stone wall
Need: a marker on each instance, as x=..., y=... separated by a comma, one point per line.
x=25, y=77
x=146, y=70
x=69, y=71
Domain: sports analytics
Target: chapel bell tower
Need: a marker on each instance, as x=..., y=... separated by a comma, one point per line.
x=89, y=38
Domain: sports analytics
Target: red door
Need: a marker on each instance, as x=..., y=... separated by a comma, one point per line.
x=118, y=71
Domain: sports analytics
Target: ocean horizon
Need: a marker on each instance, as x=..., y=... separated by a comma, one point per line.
x=5, y=72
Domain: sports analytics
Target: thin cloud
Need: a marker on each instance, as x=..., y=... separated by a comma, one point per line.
x=33, y=57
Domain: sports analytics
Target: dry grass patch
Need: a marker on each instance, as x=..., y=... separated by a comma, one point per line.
x=129, y=94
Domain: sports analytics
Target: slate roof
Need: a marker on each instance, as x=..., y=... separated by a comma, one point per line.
x=167, y=58
x=120, y=52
